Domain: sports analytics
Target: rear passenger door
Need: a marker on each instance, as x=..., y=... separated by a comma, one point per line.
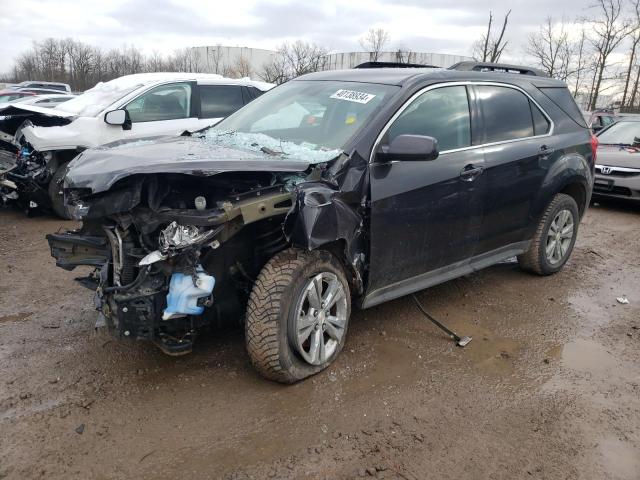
x=518, y=154
x=220, y=101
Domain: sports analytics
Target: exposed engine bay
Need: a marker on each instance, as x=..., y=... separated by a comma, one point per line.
x=174, y=253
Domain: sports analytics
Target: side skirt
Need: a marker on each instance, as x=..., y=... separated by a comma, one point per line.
x=443, y=274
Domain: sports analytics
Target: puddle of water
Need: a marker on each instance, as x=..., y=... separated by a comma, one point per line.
x=587, y=356
x=620, y=460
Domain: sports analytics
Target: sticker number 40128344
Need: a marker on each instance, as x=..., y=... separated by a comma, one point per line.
x=353, y=96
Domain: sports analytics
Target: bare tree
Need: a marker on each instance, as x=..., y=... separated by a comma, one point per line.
x=303, y=57
x=580, y=63
x=374, y=42
x=241, y=68
x=405, y=55
x=635, y=40
x=551, y=48
x=490, y=48
x=609, y=31
x=294, y=59
x=275, y=71
x=214, y=59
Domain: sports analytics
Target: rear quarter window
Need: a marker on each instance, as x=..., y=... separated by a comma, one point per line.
x=565, y=102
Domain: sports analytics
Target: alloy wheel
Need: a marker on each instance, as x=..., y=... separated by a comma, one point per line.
x=559, y=236
x=321, y=318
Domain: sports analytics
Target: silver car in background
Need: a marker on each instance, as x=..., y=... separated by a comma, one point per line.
x=618, y=161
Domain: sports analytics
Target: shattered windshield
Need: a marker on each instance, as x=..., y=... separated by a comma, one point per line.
x=621, y=133
x=305, y=120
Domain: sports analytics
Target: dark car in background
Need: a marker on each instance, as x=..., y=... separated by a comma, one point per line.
x=336, y=188
x=601, y=118
x=618, y=160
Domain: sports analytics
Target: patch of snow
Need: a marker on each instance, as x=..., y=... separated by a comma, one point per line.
x=104, y=94
x=124, y=145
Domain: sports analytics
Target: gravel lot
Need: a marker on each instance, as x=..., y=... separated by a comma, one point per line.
x=549, y=387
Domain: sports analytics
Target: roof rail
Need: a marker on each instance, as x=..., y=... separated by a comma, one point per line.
x=497, y=67
x=393, y=65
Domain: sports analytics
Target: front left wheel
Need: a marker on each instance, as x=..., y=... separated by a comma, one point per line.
x=297, y=315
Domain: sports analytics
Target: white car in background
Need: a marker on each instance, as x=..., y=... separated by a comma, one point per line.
x=129, y=107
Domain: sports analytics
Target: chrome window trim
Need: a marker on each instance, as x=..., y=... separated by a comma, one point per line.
x=619, y=169
x=471, y=147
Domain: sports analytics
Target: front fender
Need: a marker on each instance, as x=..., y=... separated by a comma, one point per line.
x=83, y=131
x=321, y=216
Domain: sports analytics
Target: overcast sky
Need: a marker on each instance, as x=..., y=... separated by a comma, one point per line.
x=441, y=26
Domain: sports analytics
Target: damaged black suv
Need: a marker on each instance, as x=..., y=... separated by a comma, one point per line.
x=337, y=188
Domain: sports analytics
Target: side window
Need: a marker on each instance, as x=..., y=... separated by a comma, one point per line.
x=219, y=100
x=255, y=92
x=166, y=102
x=563, y=100
x=442, y=113
x=506, y=113
x=540, y=123
x=606, y=121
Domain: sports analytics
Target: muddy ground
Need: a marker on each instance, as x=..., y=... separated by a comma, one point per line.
x=549, y=387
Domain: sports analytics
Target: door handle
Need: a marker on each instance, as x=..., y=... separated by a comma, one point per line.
x=470, y=173
x=546, y=150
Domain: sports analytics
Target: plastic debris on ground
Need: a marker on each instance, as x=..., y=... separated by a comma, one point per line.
x=623, y=300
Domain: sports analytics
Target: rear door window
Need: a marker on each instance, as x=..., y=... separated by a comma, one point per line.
x=506, y=113
x=442, y=113
x=541, y=124
x=219, y=101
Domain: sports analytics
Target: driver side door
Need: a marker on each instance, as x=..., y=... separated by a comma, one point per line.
x=163, y=110
x=426, y=215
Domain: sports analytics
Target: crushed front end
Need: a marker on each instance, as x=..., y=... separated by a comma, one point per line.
x=172, y=254
x=26, y=172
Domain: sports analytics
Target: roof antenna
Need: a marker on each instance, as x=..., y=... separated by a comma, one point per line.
x=460, y=341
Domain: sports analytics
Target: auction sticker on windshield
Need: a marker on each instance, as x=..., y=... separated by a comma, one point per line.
x=353, y=96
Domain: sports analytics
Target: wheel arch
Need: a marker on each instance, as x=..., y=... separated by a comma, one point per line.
x=570, y=174
x=321, y=219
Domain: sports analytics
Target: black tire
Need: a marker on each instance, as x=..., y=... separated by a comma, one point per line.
x=55, y=193
x=272, y=309
x=535, y=260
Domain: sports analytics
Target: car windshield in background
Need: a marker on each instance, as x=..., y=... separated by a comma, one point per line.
x=8, y=98
x=621, y=133
x=98, y=98
x=305, y=120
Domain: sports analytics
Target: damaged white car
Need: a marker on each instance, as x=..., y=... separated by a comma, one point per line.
x=44, y=140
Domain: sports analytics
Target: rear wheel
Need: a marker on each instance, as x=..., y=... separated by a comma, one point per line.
x=297, y=315
x=555, y=237
x=56, y=193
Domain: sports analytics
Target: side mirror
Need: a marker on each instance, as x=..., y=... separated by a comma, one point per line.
x=118, y=117
x=410, y=147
